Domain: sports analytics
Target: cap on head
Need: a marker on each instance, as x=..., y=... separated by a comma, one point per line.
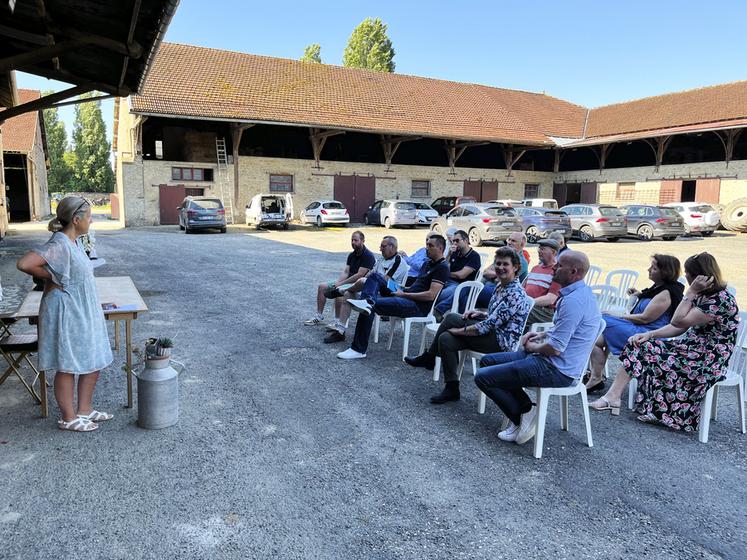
x=549, y=243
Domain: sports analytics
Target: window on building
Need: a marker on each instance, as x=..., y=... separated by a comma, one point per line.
x=421, y=189
x=281, y=183
x=191, y=174
x=531, y=190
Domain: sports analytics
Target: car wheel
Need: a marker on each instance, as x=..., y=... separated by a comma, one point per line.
x=318, y=221
x=365, y=220
x=645, y=232
x=613, y=239
x=474, y=237
x=387, y=223
x=688, y=231
x=586, y=234
x=707, y=233
x=223, y=230
x=532, y=234
x=286, y=226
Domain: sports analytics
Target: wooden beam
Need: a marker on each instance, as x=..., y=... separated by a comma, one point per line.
x=237, y=131
x=390, y=144
x=558, y=158
x=604, y=150
x=318, y=138
x=44, y=102
x=662, y=143
x=21, y=61
x=511, y=155
x=729, y=141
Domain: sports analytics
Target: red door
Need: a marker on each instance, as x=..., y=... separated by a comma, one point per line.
x=357, y=193
x=559, y=193
x=588, y=193
x=707, y=190
x=472, y=188
x=169, y=197
x=670, y=191
x=489, y=191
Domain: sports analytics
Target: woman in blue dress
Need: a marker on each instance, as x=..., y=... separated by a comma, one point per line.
x=653, y=309
x=73, y=341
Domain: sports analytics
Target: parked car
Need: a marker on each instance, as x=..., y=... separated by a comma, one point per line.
x=197, y=212
x=322, y=212
x=541, y=222
x=592, y=221
x=540, y=202
x=425, y=213
x=444, y=204
x=269, y=210
x=507, y=202
x=697, y=217
x=647, y=221
x=483, y=221
x=390, y=213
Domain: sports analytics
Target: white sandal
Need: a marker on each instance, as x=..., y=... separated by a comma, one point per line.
x=77, y=425
x=96, y=416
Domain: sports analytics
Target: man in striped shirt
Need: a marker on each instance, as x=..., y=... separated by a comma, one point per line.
x=539, y=284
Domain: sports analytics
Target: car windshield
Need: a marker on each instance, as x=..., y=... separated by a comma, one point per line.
x=670, y=212
x=405, y=206
x=704, y=208
x=499, y=211
x=335, y=205
x=207, y=204
x=610, y=211
x=272, y=204
x=422, y=206
x=556, y=214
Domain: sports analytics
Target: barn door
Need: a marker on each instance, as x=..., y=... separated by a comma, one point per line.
x=169, y=197
x=472, y=188
x=707, y=190
x=344, y=191
x=670, y=191
x=588, y=193
x=489, y=191
x=559, y=193
x=356, y=193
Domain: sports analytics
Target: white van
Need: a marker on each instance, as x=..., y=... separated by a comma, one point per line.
x=269, y=210
x=541, y=202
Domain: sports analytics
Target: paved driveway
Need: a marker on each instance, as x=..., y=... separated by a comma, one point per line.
x=284, y=451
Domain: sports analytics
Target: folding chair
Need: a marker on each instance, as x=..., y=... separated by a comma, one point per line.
x=16, y=348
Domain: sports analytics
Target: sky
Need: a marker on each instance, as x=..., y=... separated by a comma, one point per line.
x=590, y=53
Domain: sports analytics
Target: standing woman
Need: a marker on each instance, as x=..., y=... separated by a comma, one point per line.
x=73, y=340
x=674, y=374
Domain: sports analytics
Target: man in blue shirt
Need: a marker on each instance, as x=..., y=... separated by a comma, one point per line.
x=419, y=258
x=464, y=265
x=415, y=301
x=555, y=358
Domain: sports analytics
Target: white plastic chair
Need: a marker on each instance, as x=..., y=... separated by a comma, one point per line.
x=543, y=399
x=407, y=323
x=593, y=275
x=735, y=377
x=623, y=279
x=474, y=288
x=607, y=296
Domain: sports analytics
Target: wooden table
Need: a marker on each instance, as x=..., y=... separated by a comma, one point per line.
x=119, y=290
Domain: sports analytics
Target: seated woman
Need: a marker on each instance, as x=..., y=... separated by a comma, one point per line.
x=674, y=374
x=498, y=330
x=653, y=310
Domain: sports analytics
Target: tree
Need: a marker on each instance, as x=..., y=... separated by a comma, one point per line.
x=312, y=53
x=93, y=172
x=369, y=47
x=60, y=173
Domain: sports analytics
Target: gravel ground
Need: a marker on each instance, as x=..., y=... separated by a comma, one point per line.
x=284, y=451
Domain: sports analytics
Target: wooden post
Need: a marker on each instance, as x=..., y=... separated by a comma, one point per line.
x=318, y=138
x=729, y=141
x=662, y=143
x=511, y=155
x=237, y=131
x=455, y=149
x=390, y=145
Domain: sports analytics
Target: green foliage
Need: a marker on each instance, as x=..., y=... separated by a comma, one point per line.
x=60, y=173
x=92, y=169
x=369, y=47
x=312, y=53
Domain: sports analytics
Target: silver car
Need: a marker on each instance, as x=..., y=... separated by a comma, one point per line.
x=647, y=221
x=390, y=213
x=482, y=222
x=592, y=221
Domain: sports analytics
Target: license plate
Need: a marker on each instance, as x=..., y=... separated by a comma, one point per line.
x=507, y=224
x=616, y=223
x=207, y=217
x=675, y=223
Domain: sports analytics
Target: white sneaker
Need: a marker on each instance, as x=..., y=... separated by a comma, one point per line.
x=360, y=305
x=528, y=426
x=510, y=433
x=315, y=320
x=334, y=325
x=350, y=354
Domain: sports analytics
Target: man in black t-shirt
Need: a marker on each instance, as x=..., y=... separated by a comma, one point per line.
x=464, y=265
x=415, y=301
x=359, y=262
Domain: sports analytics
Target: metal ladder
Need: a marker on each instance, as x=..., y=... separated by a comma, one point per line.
x=223, y=183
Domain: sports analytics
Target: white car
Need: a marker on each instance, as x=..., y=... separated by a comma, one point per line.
x=426, y=214
x=541, y=202
x=321, y=212
x=269, y=210
x=507, y=202
x=698, y=217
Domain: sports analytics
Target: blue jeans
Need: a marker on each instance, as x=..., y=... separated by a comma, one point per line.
x=503, y=375
x=482, y=300
x=389, y=306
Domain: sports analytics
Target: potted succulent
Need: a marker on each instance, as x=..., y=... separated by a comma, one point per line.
x=164, y=346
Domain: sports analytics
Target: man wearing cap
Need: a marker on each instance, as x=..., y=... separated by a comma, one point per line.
x=539, y=284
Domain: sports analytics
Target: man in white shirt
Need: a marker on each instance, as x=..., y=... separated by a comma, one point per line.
x=390, y=264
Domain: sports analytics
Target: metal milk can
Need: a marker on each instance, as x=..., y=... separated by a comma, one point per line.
x=158, y=393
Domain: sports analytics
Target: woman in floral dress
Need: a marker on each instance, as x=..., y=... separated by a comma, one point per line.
x=674, y=374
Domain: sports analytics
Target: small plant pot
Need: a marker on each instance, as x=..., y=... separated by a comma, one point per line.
x=164, y=352
x=156, y=362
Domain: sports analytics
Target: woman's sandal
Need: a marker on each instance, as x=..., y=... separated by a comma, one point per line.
x=96, y=416
x=77, y=425
x=614, y=409
x=648, y=418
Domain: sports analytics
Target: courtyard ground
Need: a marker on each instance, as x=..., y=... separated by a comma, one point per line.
x=284, y=451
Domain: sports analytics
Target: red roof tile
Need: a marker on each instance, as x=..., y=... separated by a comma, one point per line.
x=19, y=132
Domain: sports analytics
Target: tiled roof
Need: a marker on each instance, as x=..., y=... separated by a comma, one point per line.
x=713, y=104
x=19, y=132
x=214, y=84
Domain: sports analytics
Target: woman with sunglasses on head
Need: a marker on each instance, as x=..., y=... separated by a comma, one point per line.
x=674, y=374
x=73, y=340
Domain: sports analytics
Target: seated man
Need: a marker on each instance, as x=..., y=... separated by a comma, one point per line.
x=560, y=238
x=540, y=285
x=555, y=358
x=358, y=263
x=464, y=265
x=518, y=242
x=390, y=265
x=419, y=258
x=415, y=301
